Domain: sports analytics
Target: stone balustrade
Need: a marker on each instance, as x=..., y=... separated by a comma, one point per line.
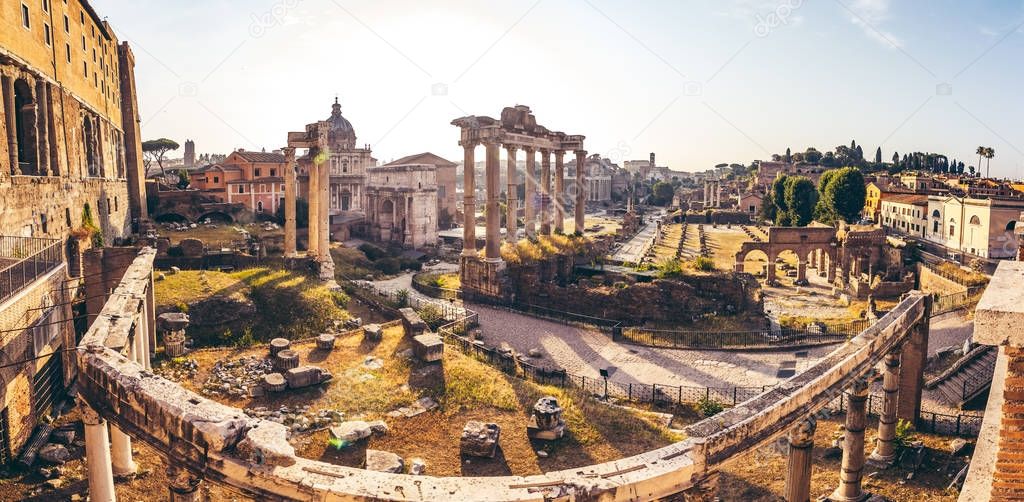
x=212, y=441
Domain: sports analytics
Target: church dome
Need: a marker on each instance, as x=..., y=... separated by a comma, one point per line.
x=342, y=134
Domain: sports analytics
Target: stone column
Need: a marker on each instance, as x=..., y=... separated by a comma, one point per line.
x=469, y=199
x=12, y=132
x=545, y=190
x=183, y=485
x=852, y=471
x=43, y=129
x=885, y=449
x=581, y=191
x=912, y=361
x=798, y=474
x=531, y=190
x=289, y=203
x=492, y=250
x=121, y=453
x=97, y=456
x=559, y=196
x=324, y=215
x=512, y=198
x=801, y=269
x=313, y=202
x=769, y=274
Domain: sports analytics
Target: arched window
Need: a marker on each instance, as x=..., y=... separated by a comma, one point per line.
x=975, y=220
x=25, y=129
x=1011, y=226
x=935, y=214
x=259, y=206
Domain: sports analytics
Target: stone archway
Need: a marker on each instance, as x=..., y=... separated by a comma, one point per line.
x=386, y=219
x=25, y=124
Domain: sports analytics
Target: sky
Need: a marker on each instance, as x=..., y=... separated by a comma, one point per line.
x=698, y=82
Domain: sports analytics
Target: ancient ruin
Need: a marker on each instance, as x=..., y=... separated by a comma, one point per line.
x=516, y=130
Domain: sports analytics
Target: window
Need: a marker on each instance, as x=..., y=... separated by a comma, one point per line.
x=975, y=220
x=259, y=206
x=46, y=34
x=67, y=24
x=83, y=44
x=67, y=47
x=216, y=179
x=257, y=172
x=46, y=5
x=935, y=228
x=25, y=20
x=67, y=216
x=273, y=172
x=42, y=223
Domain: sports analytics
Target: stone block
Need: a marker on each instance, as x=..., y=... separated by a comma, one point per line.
x=384, y=461
x=414, y=325
x=192, y=248
x=306, y=376
x=1000, y=312
x=480, y=439
x=286, y=360
x=351, y=431
x=546, y=421
x=373, y=332
x=325, y=341
x=428, y=348
x=274, y=382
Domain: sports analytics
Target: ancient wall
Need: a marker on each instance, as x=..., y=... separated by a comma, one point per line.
x=930, y=282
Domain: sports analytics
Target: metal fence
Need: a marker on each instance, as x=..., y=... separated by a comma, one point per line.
x=25, y=259
x=962, y=424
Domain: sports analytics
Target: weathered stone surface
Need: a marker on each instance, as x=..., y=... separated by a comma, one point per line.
x=266, y=443
x=286, y=360
x=414, y=325
x=378, y=427
x=305, y=376
x=417, y=467
x=546, y=421
x=351, y=431
x=428, y=347
x=54, y=453
x=325, y=341
x=373, y=332
x=274, y=382
x=191, y=247
x=480, y=439
x=384, y=461
x=958, y=447
x=63, y=436
x=172, y=321
x=279, y=344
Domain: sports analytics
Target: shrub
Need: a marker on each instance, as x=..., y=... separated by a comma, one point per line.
x=669, y=269
x=709, y=407
x=432, y=315
x=246, y=340
x=411, y=264
x=373, y=253
x=904, y=433
x=182, y=307
x=402, y=298
x=704, y=264
x=389, y=266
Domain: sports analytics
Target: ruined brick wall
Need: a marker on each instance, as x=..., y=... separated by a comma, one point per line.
x=930, y=282
x=23, y=311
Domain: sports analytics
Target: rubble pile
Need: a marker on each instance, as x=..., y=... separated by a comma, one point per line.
x=237, y=378
x=298, y=419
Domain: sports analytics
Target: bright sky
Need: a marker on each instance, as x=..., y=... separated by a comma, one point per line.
x=698, y=82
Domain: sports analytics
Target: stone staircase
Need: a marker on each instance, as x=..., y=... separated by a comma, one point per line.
x=967, y=378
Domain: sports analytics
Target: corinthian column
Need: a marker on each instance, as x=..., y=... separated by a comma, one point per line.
x=852, y=471
x=545, y=190
x=512, y=198
x=798, y=474
x=492, y=250
x=581, y=191
x=559, y=196
x=313, y=201
x=289, y=203
x=531, y=189
x=183, y=485
x=469, y=199
x=43, y=125
x=97, y=455
x=885, y=448
x=7, y=88
x=324, y=194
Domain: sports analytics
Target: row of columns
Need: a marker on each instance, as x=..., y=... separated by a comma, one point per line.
x=552, y=202
x=712, y=193
x=319, y=247
x=897, y=383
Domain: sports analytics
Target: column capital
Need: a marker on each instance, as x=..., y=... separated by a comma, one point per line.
x=545, y=151
x=859, y=388
x=490, y=141
x=580, y=153
x=469, y=143
x=529, y=150
x=802, y=434
x=511, y=148
x=559, y=153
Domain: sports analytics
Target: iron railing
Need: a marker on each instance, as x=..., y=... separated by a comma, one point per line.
x=25, y=259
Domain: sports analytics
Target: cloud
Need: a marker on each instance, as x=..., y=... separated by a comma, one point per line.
x=870, y=16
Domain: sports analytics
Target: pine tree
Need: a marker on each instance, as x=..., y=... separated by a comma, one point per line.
x=878, y=155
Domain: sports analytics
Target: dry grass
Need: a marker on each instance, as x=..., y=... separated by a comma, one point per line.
x=466, y=389
x=222, y=235
x=760, y=476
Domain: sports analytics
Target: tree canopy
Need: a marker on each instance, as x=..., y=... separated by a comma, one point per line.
x=662, y=193
x=156, y=149
x=841, y=195
x=801, y=197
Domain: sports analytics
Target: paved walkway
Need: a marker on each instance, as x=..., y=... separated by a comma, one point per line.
x=585, y=352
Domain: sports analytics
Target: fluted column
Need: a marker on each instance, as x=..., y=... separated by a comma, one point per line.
x=289, y=203
x=885, y=444
x=801, y=447
x=313, y=229
x=545, y=190
x=559, y=196
x=7, y=86
x=512, y=197
x=581, y=191
x=469, y=199
x=324, y=215
x=531, y=190
x=852, y=471
x=97, y=456
x=492, y=250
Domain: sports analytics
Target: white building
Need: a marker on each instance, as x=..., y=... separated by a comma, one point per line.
x=905, y=213
x=982, y=227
